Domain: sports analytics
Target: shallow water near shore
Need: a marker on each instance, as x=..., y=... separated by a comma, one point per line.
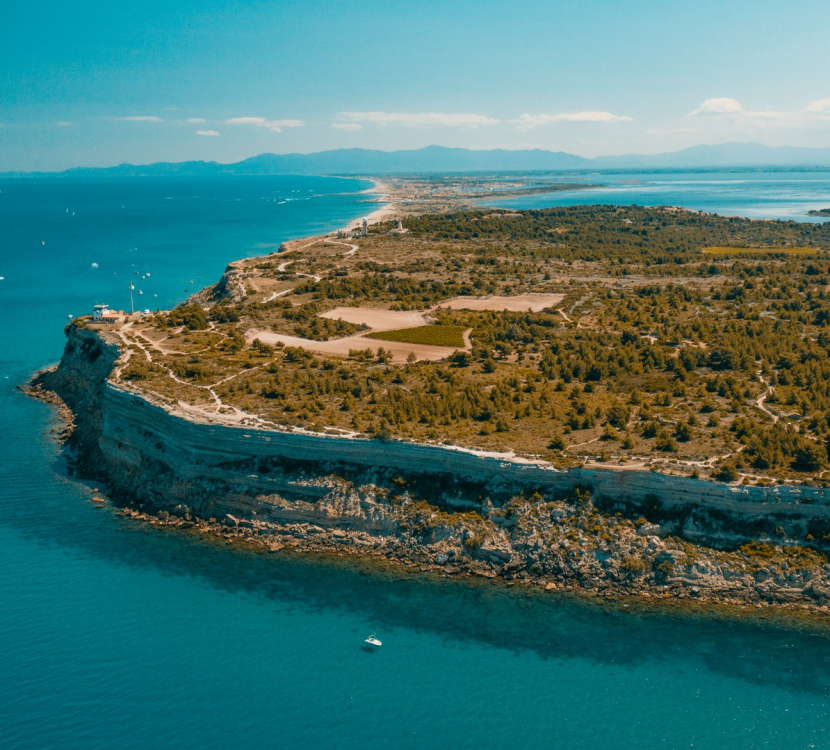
x=114, y=634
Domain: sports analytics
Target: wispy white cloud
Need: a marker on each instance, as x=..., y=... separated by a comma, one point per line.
x=732, y=110
x=207, y=132
x=417, y=119
x=347, y=126
x=64, y=123
x=528, y=121
x=143, y=118
x=722, y=105
x=196, y=120
x=275, y=126
x=820, y=106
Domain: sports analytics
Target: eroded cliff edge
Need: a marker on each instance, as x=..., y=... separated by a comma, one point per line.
x=435, y=506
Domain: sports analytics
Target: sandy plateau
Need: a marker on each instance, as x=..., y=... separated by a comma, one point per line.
x=378, y=320
x=342, y=347
x=375, y=320
x=517, y=303
x=387, y=320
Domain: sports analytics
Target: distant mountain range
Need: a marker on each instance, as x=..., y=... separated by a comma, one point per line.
x=441, y=159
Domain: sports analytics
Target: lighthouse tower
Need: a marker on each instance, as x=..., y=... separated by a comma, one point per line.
x=365, y=229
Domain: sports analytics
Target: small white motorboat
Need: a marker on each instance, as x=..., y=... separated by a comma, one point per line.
x=372, y=642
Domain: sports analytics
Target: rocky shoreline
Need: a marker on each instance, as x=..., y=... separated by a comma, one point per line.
x=568, y=538
x=350, y=549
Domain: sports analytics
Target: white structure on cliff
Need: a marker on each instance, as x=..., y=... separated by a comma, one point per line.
x=103, y=314
x=365, y=230
x=399, y=228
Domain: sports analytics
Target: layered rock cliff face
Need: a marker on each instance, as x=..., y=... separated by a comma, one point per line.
x=438, y=506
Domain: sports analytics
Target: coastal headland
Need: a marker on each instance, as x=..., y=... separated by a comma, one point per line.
x=576, y=398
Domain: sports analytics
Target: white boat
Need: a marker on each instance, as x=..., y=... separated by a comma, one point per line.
x=372, y=642
x=95, y=265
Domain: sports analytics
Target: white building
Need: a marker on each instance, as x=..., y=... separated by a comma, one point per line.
x=102, y=314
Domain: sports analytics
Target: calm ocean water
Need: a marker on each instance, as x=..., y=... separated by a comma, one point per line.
x=113, y=635
x=756, y=195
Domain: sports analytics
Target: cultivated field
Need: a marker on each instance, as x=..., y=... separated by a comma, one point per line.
x=435, y=335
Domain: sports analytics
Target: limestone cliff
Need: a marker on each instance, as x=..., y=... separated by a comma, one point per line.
x=440, y=506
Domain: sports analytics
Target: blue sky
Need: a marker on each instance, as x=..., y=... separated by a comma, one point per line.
x=99, y=83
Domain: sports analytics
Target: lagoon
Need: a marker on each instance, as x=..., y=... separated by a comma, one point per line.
x=756, y=194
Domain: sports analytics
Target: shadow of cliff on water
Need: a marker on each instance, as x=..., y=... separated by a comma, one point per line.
x=551, y=626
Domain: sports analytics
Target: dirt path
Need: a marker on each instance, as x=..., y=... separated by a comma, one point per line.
x=274, y=296
x=352, y=248
x=759, y=402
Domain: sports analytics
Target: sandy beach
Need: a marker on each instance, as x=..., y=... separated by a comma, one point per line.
x=383, y=212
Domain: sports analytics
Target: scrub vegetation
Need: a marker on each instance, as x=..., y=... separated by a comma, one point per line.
x=685, y=342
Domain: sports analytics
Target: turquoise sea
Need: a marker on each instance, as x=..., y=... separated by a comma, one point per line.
x=115, y=635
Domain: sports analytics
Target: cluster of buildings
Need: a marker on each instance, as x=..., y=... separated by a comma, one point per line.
x=362, y=230
x=103, y=314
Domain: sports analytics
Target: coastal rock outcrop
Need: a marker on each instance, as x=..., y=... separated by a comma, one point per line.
x=440, y=507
